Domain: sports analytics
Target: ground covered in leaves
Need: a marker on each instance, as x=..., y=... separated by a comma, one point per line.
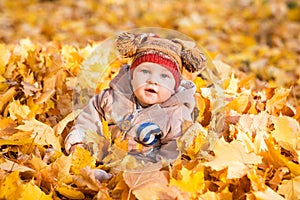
x=255, y=47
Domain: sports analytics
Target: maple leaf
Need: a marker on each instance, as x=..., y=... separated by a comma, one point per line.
x=6, y=97
x=7, y=127
x=80, y=159
x=145, y=185
x=278, y=101
x=31, y=191
x=11, y=187
x=191, y=181
x=290, y=188
x=18, y=111
x=42, y=133
x=257, y=126
x=234, y=156
x=91, y=178
x=58, y=128
x=240, y=103
x=4, y=57
x=286, y=132
x=274, y=156
x=70, y=192
x=267, y=194
x=13, y=166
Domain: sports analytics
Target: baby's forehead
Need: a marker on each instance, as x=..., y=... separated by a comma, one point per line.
x=152, y=66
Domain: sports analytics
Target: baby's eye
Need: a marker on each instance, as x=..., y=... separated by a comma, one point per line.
x=145, y=71
x=165, y=76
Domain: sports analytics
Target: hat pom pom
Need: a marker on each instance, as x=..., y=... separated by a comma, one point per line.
x=127, y=43
x=193, y=60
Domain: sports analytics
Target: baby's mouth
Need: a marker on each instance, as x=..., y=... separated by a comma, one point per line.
x=150, y=90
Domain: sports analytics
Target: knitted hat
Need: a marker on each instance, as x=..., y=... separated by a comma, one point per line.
x=172, y=54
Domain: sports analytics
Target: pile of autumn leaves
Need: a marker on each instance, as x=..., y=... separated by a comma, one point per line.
x=256, y=158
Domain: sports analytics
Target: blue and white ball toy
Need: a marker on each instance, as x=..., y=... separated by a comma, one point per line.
x=148, y=133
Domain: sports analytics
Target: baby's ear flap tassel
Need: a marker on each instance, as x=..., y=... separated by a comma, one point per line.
x=192, y=59
x=127, y=43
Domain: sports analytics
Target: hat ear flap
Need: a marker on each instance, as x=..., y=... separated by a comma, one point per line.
x=192, y=59
x=127, y=43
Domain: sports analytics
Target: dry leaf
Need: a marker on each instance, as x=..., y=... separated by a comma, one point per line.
x=234, y=157
x=290, y=188
x=42, y=133
x=141, y=183
x=191, y=181
x=32, y=191
x=11, y=187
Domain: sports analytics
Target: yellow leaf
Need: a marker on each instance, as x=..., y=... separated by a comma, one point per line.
x=273, y=155
x=294, y=14
x=18, y=111
x=278, y=101
x=42, y=133
x=6, y=97
x=13, y=166
x=105, y=130
x=11, y=188
x=149, y=185
x=58, y=128
x=193, y=140
x=97, y=144
x=233, y=86
x=4, y=57
x=70, y=192
x=7, y=127
x=31, y=191
x=290, y=188
x=191, y=181
x=240, y=104
x=80, y=159
x=267, y=194
x=286, y=132
x=3, y=84
x=199, y=82
x=234, y=157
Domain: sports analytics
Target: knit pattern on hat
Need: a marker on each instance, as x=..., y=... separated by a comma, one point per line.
x=158, y=58
x=186, y=56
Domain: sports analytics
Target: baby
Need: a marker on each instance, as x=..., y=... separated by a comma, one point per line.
x=147, y=102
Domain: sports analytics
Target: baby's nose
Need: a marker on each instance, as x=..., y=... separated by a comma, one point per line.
x=152, y=79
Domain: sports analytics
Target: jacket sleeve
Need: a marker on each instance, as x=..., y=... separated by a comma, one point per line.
x=169, y=149
x=88, y=120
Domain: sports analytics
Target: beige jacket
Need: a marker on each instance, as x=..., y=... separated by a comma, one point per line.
x=118, y=101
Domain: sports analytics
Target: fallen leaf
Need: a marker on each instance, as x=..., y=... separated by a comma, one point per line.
x=18, y=111
x=234, y=157
x=286, y=132
x=139, y=181
x=278, y=101
x=274, y=156
x=32, y=191
x=267, y=194
x=290, y=188
x=191, y=181
x=70, y=192
x=11, y=187
x=42, y=133
x=81, y=158
x=8, y=165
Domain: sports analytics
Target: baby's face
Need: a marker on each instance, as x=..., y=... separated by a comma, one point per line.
x=152, y=83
